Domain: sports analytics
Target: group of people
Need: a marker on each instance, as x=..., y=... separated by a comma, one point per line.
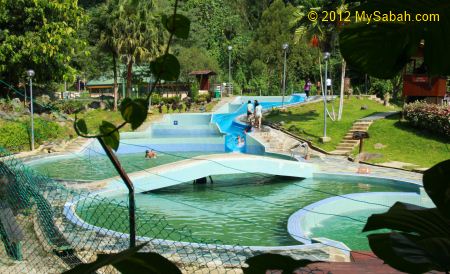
x=254, y=113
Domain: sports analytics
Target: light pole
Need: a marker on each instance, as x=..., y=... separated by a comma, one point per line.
x=30, y=74
x=229, y=67
x=324, y=139
x=285, y=47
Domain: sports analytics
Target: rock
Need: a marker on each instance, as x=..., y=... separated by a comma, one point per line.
x=364, y=107
x=379, y=146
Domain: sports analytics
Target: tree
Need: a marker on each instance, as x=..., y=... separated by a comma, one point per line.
x=321, y=35
x=42, y=35
x=382, y=49
x=139, y=36
x=195, y=59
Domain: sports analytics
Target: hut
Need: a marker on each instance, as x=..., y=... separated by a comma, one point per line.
x=203, y=80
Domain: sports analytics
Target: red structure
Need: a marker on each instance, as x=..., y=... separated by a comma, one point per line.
x=203, y=78
x=418, y=85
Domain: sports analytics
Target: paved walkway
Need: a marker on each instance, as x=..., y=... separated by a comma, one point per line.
x=328, y=163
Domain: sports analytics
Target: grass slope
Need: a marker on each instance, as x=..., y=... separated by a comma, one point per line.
x=307, y=120
x=405, y=143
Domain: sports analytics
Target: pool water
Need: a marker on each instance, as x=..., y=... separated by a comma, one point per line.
x=99, y=167
x=348, y=231
x=245, y=209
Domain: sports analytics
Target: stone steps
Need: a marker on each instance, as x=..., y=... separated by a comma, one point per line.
x=347, y=144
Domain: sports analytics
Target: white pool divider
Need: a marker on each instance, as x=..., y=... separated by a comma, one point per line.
x=204, y=166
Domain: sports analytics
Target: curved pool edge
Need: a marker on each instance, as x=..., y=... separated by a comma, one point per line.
x=338, y=251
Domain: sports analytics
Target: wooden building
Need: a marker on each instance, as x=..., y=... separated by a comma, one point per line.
x=418, y=85
x=203, y=78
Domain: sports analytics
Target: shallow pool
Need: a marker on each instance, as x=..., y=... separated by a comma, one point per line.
x=245, y=209
x=98, y=167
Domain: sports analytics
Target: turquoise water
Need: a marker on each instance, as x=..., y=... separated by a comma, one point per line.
x=244, y=209
x=347, y=231
x=99, y=167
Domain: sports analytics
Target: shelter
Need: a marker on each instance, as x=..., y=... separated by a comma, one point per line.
x=419, y=85
x=203, y=79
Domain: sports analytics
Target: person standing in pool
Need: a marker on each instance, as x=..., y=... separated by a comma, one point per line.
x=150, y=154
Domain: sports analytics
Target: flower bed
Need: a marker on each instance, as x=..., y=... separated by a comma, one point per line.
x=429, y=116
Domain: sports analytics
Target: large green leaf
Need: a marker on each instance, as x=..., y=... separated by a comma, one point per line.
x=134, y=111
x=149, y=263
x=104, y=261
x=389, y=246
x=426, y=222
x=436, y=182
x=166, y=67
x=383, y=48
x=177, y=24
x=261, y=263
x=81, y=126
x=112, y=137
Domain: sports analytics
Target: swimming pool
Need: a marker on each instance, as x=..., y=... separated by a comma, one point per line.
x=246, y=209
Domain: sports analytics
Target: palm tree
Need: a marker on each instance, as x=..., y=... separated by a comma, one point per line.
x=138, y=36
x=320, y=35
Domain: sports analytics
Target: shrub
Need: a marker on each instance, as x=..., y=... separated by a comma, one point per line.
x=68, y=106
x=203, y=98
x=156, y=99
x=428, y=116
x=381, y=87
x=14, y=136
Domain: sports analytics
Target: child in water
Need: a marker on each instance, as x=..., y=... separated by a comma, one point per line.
x=150, y=154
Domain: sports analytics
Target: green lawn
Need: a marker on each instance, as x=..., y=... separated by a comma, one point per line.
x=307, y=120
x=405, y=143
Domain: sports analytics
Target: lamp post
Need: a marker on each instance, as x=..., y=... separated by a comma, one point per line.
x=285, y=47
x=324, y=139
x=230, y=48
x=30, y=74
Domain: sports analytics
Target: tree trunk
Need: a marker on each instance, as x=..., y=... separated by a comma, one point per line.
x=341, y=96
x=129, y=75
x=116, y=87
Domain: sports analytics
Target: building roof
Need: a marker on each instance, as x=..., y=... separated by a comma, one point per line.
x=202, y=72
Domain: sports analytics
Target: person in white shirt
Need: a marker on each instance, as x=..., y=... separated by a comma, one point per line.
x=249, y=109
x=258, y=114
x=328, y=84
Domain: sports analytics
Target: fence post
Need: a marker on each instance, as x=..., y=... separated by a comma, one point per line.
x=129, y=184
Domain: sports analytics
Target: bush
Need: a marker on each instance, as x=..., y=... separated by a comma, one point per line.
x=203, y=98
x=69, y=106
x=381, y=87
x=14, y=136
x=156, y=99
x=428, y=116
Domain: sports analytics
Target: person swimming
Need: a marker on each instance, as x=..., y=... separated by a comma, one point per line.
x=241, y=141
x=150, y=154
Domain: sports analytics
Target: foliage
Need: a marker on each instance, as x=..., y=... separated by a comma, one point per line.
x=68, y=106
x=266, y=262
x=195, y=59
x=42, y=35
x=381, y=87
x=194, y=90
x=420, y=241
x=156, y=99
x=203, y=98
x=383, y=48
x=130, y=261
x=432, y=117
x=15, y=136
